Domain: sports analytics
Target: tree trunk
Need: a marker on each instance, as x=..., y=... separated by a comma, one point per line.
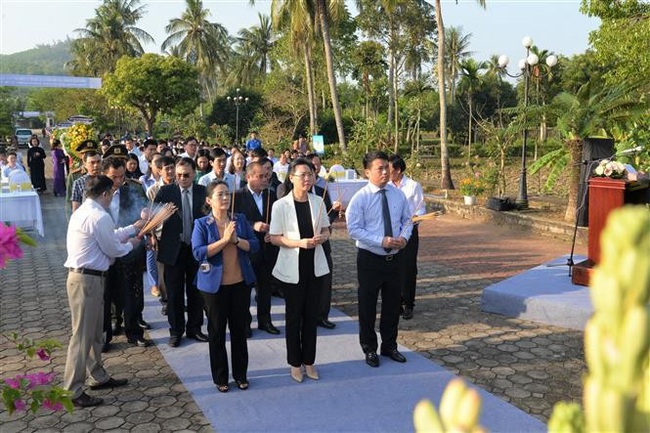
x=313, y=125
x=336, y=106
x=575, y=155
x=396, y=116
x=391, y=96
x=469, y=129
x=446, y=182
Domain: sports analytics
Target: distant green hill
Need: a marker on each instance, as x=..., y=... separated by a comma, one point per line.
x=42, y=60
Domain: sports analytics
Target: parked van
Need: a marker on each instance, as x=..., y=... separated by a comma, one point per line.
x=23, y=135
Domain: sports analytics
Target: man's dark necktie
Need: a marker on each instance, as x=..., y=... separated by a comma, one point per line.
x=385, y=214
x=187, y=217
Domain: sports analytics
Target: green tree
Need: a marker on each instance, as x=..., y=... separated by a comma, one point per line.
x=622, y=41
x=369, y=63
x=111, y=34
x=199, y=42
x=298, y=19
x=592, y=111
x=470, y=79
x=456, y=51
x=257, y=42
x=406, y=29
x=153, y=85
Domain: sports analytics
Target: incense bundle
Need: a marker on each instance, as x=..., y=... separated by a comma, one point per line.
x=157, y=215
x=426, y=216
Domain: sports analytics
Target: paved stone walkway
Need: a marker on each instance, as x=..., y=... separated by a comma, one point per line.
x=528, y=364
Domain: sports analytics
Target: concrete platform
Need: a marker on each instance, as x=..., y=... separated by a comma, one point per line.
x=543, y=294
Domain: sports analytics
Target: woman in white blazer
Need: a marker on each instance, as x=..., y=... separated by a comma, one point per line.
x=299, y=226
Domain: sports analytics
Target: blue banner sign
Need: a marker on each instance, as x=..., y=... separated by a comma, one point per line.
x=19, y=80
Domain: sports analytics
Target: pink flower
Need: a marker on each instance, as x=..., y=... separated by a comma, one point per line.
x=47, y=404
x=14, y=383
x=9, y=244
x=39, y=379
x=19, y=405
x=43, y=355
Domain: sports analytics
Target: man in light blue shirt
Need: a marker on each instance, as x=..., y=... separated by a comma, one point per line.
x=379, y=220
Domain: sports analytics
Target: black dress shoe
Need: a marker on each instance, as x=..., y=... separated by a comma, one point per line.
x=110, y=383
x=408, y=313
x=106, y=347
x=140, y=342
x=174, y=341
x=372, y=359
x=268, y=327
x=144, y=325
x=84, y=400
x=394, y=355
x=198, y=336
x=249, y=332
x=326, y=324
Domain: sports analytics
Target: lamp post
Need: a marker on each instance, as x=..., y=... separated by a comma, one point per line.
x=237, y=100
x=526, y=66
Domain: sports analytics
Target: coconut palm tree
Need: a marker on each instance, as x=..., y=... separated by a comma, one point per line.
x=298, y=17
x=446, y=182
x=326, y=12
x=200, y=42
x=257, y=41
x=109, y=35
x=456, y=45
x=470, y=79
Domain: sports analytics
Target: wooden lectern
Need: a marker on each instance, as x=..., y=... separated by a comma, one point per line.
x=605, y=195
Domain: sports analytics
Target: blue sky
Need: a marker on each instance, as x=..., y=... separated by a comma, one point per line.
x=556, y=25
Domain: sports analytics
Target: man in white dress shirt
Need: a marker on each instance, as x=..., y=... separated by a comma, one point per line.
x=92, y=244
x=415, y=197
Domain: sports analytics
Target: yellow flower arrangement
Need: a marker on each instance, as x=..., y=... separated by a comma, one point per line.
x=72, y=137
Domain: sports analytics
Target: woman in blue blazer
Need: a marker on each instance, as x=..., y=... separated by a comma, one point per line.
x=221, y=243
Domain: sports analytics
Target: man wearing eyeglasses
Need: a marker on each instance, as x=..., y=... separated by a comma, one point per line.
x=175, y=253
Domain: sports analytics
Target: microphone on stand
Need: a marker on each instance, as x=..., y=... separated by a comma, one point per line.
x=631, y=151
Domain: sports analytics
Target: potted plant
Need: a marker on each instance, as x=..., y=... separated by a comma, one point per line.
x=470, y=187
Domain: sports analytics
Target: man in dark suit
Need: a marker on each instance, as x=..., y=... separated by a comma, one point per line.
x=124, y=286
x=325, y=301
x=175, y=252
x=255, y=201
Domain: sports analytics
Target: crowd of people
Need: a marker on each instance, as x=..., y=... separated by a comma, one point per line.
x=244, y=221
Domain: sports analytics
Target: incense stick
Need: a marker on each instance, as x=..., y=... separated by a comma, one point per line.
x=320, y=208
x=268, y=204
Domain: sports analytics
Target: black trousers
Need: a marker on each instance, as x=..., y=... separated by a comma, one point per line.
x=301, y=304
x=262, y=269
x=130, y=278
x=378, y=274
x=179, y=279
x=325, y=301
x=113, y=301
x=227, y=307
x=410, y=274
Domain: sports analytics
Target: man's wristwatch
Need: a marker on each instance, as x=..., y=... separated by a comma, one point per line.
x=237, y=241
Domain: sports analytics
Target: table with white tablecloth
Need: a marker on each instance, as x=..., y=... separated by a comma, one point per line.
x=23, y=209
x=343, y=189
